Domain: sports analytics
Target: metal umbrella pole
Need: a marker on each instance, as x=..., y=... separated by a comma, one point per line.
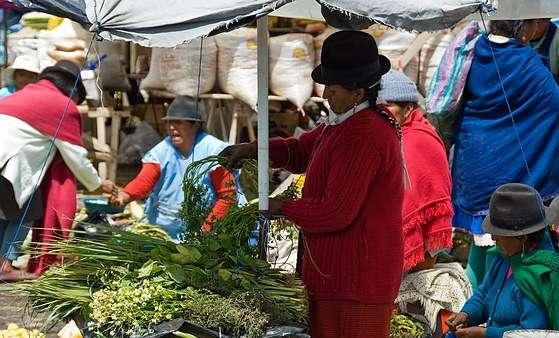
x=263, y=220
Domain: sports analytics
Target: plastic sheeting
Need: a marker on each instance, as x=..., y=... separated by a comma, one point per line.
x=524, y=9
x=410, y=15
x=157, y=24
x=174, y=22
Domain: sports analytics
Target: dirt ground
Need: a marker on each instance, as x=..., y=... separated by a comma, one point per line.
x=13, y=310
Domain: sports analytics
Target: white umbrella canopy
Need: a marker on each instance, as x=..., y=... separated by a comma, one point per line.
x=410, y=15
x=524, y=9
x=178, y=21
x=156, y=24
x=416, y=15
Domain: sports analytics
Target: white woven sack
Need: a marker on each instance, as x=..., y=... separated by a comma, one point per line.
x=318, y=41
x=392, y=44
x=153, y=78
x=291, y=64
x=431, y=55
x=38, y=48
x=237, y=64
x=181, y=66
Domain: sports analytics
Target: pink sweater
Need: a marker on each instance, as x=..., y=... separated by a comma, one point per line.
x=351, y=209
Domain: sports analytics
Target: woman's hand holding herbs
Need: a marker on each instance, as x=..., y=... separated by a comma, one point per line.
x=236, y=154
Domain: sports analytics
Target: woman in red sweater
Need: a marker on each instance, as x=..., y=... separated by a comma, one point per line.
x=351, y=209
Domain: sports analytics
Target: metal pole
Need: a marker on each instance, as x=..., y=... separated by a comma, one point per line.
x=262, y=109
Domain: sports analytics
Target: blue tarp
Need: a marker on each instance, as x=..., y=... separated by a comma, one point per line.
x=169, y=23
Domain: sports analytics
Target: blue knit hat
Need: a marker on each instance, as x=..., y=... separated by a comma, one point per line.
x=395, y=86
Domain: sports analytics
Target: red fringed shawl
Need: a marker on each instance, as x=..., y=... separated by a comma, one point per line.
x=427, y=209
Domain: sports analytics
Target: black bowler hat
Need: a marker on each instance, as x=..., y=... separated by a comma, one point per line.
x=70, y=70
x=515, y=210
x=350, y=57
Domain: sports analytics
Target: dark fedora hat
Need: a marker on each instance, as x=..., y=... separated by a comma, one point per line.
x=71, y=71
x=516, y=209
x=350, y=57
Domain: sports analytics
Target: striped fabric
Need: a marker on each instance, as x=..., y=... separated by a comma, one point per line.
x=449, y=80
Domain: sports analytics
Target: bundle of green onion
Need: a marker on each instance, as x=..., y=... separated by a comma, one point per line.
x=98, y=278
x=126, y=282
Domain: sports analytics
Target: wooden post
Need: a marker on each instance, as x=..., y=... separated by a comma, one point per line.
x=102, y=138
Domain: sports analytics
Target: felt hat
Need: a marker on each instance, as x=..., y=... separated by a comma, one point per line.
x=516, y=209
x=349, y=58
x=185, y=108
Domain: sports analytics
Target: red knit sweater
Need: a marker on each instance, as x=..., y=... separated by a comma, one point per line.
x=351, y=209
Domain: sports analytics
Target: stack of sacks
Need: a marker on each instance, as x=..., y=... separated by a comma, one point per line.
x=20, y=44
x=291, y=63
x=70, y=49
x=177, y=70
x=69, y=42
x=237, y=64
x=393, y=43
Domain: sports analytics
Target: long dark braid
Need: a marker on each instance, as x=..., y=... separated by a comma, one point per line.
x=372, y=95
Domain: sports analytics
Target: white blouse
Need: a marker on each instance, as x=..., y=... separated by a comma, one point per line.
x=23, y=153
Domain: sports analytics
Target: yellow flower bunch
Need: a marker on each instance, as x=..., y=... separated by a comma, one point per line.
x=14, y=331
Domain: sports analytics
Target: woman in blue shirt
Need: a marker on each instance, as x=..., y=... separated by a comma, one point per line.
x=517, y=222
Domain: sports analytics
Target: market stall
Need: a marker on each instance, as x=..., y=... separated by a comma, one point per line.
x=153, y=32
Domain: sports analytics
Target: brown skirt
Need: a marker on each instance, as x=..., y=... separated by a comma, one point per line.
x=349, y=319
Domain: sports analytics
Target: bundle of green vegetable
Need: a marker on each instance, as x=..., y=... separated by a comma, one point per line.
x=148, y=230
x=240, y=221
x=129, y=282
x=402, y=326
